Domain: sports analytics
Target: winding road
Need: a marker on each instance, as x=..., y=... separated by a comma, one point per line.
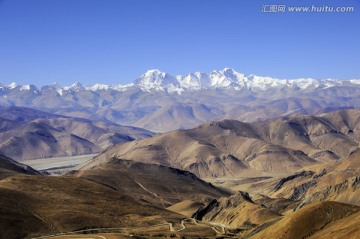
x=183, y=222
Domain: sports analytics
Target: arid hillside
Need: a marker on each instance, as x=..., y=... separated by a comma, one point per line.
x=232, y=148
x=149, y=183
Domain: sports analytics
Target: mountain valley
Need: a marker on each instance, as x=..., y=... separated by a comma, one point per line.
x=219, y=155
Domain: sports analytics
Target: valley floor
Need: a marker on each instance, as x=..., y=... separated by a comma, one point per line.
x=58, y=165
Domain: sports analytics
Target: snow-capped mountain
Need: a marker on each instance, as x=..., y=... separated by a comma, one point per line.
x=160, y=101
x=158, y=80
x=224, y=79
x=228, y=79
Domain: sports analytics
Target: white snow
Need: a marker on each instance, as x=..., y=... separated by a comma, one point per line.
x=25, y=87
x=60, y=91
x=158, y=80
x=357, y=82
x=227, y=78
x=76, y=87
x=97, y=87
x=12, y=85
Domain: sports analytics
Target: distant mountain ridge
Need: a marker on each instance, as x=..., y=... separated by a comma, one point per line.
x=28, y=134
x=160, y=102
x=227, y=78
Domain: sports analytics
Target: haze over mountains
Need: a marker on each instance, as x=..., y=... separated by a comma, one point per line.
x=28, y=134
x=161, y=102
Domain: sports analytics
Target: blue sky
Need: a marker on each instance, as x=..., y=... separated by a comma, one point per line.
x=114, y=41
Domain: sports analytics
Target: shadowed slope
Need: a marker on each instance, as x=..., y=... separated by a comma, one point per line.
x=10, y=167
x=38, y=205
x=149, y=183
x=237, y=210
x=336, y=182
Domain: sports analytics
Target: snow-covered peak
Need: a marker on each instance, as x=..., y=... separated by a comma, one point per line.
x=98, y=87
x=304, y=83
x=13, y=85
x=190, y=81
x=225, y=78
x=353, y=81
x=31, y=88
x=156, y=79
x=261, y=82
x=56, y=85
x=218, y=79
x=77, y=86
x=25, y=87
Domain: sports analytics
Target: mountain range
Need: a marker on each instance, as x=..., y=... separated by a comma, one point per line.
x=226, y=78
x=219, y=155
x=160, y=102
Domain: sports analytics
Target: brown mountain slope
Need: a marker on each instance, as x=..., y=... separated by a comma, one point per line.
x=9, y=167
x=224, y=154
x=186, y=208
x=231, y=148
x=318, y=137
x=336, y=182
x=149, y=183
x=236, y=211
x=346, y=228
x=314, y=221
x=36, y=206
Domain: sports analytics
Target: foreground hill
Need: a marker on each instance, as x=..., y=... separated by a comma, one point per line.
x=102, y=194
x=37, y=205
x=320, y=220
x=149, y=183
x=232, y=148
x=33, y=205
x=27, y=134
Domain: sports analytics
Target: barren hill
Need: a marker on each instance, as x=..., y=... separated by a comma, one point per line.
x=231, y=148
x=336, y=182
x=319, y=220
x=42, y=205
x=150, y=183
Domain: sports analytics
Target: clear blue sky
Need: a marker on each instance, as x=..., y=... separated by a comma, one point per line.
x=114, y=41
